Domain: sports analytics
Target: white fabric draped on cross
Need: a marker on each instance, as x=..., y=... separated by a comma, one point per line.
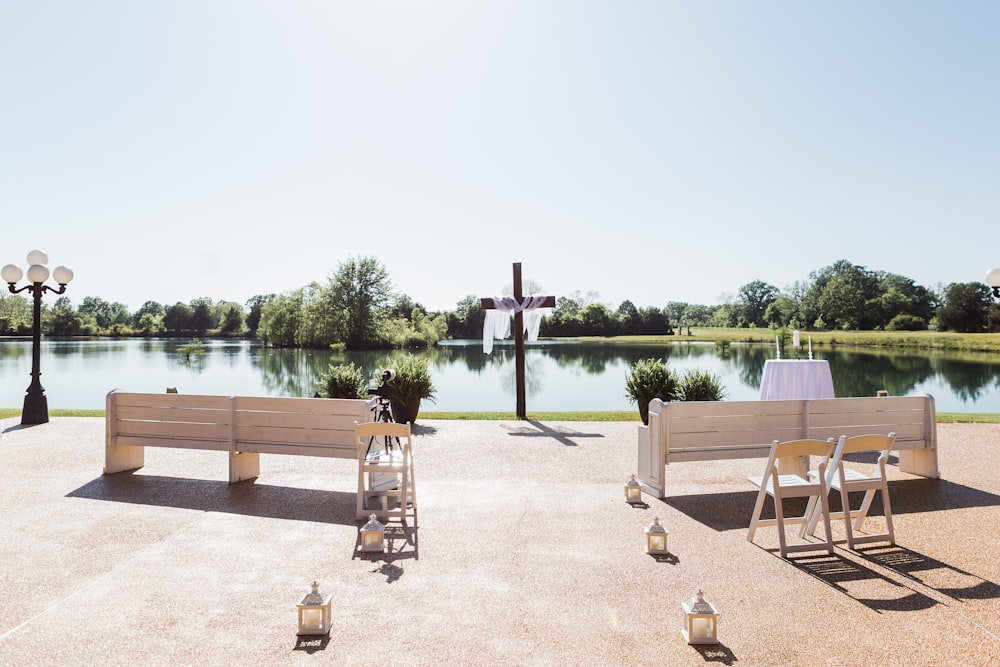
x=497, y=322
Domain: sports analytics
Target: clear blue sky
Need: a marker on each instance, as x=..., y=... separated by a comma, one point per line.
x=655, y=151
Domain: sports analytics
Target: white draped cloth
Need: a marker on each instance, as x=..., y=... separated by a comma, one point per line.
x=496, y=325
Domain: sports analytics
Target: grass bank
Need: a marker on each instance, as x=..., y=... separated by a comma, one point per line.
x=913, y=340
x=611, y=416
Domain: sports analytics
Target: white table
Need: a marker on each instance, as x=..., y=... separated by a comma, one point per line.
x=796, y=379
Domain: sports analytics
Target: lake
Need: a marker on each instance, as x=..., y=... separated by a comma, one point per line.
x=561, y=376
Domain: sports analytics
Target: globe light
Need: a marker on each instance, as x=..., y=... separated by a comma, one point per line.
x=11, y=273
x=37, y=257
x=63, y=275
x=38, y=273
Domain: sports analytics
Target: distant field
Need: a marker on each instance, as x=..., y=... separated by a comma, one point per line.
x=921, y=340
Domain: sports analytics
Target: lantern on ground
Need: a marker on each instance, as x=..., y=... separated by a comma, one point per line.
x=656, y=538
x=633, y=491
x=701, y=621
x=373, y=535
x=314, y=613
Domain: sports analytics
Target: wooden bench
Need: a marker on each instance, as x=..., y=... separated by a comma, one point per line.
x=243, y=426
x=713, y=430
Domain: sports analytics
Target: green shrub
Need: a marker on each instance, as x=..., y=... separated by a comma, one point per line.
x=648, y=379
x=342, y=381
x=699, y=385
x=413, y=379
x=904, y=322
x=193, y=349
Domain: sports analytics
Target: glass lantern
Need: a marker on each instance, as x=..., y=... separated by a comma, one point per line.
x=701, y=621
x=633, y=491
x=656, y=538
x=373, y=535
x=314, y=613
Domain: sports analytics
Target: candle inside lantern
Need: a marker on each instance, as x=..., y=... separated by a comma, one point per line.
x=701, y=627
x=312, y=619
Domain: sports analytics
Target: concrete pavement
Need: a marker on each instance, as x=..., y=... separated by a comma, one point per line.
x=525, y=554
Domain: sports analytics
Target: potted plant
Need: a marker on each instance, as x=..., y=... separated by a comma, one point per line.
x=413, y=383
x=648, y=379
x=342, y=381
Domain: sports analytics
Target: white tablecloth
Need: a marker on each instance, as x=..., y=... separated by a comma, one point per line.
x=796, y=378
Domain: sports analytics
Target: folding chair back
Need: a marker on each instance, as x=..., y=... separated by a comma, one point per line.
x=845, y=478
x=386, y=486
x=779, y=485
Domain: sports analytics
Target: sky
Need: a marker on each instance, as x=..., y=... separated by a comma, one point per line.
x=651, y=151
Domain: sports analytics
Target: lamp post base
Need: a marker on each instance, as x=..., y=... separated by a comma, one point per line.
x=35, y=410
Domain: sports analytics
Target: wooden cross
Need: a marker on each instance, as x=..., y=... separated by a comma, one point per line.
x=487, y=304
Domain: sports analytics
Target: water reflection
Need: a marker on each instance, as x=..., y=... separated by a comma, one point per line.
x=560, y=376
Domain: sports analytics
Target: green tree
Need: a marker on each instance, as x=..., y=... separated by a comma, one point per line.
x=178, y=317
x=966, y=307
x=783, y=312
x=63, y=319
x=150, y=323
x=676, y=312
x=280, y=319
x=232, y=319
x=321, y=322
x=467, y=319
x=752, y=302
x=97, y=310
x=850, y=299
x=629, y=319
x=15, y=314
x=902, y=296
x=361, y=290
x=653, y=322
x=598, y=320
x=255, y=305
x=203, y=316
x=152, y=308
x=698, y=315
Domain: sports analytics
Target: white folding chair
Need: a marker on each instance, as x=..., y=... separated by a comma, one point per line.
x=385, y=451
x=846, y=479
x=794, y=485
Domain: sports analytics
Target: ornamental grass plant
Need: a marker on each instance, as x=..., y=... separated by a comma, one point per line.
x=342, y=381
x=648, y=379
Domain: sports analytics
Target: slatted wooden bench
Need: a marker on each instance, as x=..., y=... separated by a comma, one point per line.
x=713, y=430
x=243, y=426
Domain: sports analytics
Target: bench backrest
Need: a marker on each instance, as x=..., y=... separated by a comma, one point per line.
x=737, y=429
x=261, y=424
x=694, y=429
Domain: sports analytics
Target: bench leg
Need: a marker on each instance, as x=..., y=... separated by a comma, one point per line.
x=243, y=465
x=921, y=462
x=119, y=458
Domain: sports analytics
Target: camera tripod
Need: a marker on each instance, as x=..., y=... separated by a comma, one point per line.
x=382, y=414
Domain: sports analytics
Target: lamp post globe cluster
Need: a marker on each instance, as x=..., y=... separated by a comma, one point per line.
x=993, y=280
x=36, y=407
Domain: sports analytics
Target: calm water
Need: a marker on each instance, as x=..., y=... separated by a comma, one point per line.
x=561, y=376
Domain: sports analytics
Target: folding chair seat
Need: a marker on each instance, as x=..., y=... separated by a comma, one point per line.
x=845, y=479
x=783, y=483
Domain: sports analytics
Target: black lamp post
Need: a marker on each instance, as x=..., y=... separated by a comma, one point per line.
x=36, y=406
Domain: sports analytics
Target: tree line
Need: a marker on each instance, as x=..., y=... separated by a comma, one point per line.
x=357, y=307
